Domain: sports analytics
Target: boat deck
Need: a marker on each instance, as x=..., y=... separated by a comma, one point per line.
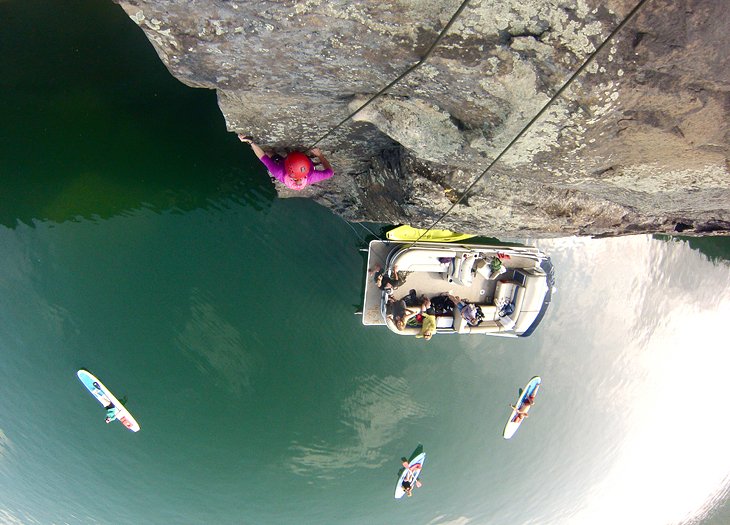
x=377, y=255
x=432, y=284
x=432, y=269
x=429, y=284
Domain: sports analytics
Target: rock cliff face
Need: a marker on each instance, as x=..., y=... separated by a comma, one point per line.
x=638, y=143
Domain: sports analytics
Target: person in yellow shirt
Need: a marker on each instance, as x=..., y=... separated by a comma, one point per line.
x=428, y=328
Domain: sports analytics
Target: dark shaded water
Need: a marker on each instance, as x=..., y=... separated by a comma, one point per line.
x=140, y=240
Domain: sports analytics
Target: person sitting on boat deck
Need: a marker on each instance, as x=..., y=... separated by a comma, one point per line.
x=442, y=305
x=426, y=305
x=399, y=312
x=428, y=328
x=385, y=281
x=295, y=170
x=468, y=311
x=428, y=319
x=524, y=408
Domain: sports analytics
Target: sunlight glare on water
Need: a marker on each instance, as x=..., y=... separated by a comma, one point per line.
x=669, y=460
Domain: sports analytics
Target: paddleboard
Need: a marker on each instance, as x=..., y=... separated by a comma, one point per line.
x=104, y=396
x=530, y=389
x=411, y=474
x=408, y=233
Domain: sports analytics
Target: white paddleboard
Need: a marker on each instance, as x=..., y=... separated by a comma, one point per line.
x=410, y=474
x=106, y=398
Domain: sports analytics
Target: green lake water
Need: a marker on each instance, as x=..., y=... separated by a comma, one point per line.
x=141, y=241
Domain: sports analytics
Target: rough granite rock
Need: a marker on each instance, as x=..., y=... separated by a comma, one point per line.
x=638, y=143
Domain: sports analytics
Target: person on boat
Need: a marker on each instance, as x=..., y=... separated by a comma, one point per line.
x=398, y=312
x=387, y=282
x=524, y=408
x=413, y=300
x=296, y=170
x=407, y=484
x=442, y=305
x=428, y=326
x=427, y=316
x=467, y=310
x=426, y=306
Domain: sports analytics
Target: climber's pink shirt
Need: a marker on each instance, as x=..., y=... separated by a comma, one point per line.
x=276, y=169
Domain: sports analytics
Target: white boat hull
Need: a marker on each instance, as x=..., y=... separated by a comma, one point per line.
x=523, y=285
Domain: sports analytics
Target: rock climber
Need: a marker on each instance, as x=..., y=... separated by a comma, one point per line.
x=296, y=170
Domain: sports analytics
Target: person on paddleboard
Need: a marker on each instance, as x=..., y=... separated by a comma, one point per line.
x=111, y=410
x=111, y=413
x=407, y=484
x=296, y=170
x=523, y=409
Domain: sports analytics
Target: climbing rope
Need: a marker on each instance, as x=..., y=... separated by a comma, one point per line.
x=364, y=228
x=371, y=232
x=539, y=114
x=519, y=135
x=353, y=229
x=401, y=76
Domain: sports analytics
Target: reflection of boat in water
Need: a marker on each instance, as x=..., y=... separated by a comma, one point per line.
x=409, y=233
x=513, y=294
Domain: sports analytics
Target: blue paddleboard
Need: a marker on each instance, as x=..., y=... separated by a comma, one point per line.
x=513, y=423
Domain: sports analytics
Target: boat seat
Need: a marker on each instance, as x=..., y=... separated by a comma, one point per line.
x=503, y=324
x=461, y=270
x=442, y=321
x=423, y=261
x=490, y=316
x=489, y=311
x=505, y=290
x=486, y=272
